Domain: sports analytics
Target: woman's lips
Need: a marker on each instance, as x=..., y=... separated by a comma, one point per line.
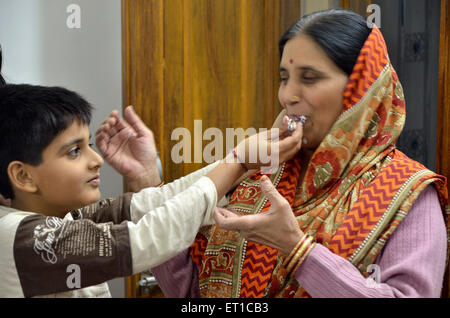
x=294, y=119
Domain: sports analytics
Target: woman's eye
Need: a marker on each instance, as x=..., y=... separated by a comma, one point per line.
x=74, y=152
x=309, y=78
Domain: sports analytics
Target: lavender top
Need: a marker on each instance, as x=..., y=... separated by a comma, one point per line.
x=412, y=263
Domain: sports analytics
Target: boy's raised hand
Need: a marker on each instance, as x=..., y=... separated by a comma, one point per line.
x=128, y=145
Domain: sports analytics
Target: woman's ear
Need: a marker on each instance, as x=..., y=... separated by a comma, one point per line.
x=20, y=177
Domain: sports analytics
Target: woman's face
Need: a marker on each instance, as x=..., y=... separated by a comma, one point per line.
x=311, y=85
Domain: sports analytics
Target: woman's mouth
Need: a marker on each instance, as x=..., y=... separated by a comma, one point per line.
x=294, y=119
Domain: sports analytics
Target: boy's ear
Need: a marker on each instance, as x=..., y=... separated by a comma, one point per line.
x=20, y=177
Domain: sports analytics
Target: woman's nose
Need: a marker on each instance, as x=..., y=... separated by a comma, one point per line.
x=291, y=100
x=289, y=96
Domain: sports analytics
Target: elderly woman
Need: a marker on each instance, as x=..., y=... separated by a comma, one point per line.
x=349, y=215
x=348, y=207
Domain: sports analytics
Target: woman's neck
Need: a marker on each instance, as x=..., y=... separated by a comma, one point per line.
x=305, y=156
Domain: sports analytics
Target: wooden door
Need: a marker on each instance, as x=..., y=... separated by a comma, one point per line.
x=443, y=123
x=359, y=6
x=215, y=61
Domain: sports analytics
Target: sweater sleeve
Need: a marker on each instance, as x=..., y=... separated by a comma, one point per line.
x=412, y=263
x=155, y=197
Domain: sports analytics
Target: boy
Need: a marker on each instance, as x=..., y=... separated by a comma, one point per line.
x=48, y=169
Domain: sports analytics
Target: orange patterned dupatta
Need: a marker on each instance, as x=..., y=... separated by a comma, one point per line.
x=357, y=189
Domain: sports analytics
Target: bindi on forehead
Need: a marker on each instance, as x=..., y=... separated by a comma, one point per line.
x=291, y=61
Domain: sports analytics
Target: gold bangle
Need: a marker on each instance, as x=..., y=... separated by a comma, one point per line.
x=294, y=251
x=308, y=250
x=300, y=252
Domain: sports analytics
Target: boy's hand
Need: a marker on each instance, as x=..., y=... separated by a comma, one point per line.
x=270, y=148
x=129, y=147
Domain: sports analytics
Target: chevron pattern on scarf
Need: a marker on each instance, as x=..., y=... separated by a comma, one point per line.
x=372, y=204
x=369, y=65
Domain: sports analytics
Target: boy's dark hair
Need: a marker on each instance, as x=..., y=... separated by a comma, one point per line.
x=31, y=118
x=2, y=81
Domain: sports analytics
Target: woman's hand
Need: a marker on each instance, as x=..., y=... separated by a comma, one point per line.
x=129, y=147
x=277, y=228
x=270, y=148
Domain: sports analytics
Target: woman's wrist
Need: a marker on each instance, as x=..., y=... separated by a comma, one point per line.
x=144, y=180
x=298, y=254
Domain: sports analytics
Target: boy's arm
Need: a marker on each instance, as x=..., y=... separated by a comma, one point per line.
x=156, y=197
x=115, y=210
x=45, y=255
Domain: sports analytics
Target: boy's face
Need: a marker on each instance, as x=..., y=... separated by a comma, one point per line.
x=69, y=176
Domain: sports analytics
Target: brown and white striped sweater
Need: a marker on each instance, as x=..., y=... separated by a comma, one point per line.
x=43, y=256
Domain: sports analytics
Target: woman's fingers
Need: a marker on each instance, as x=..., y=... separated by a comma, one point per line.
x=292, y=144
x=272, y=194
x=101, y=141
x=284, y=128
x=135, y=121
x=109, y=125
x=230, y=220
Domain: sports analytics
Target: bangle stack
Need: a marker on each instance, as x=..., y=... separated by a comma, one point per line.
x=299, y=254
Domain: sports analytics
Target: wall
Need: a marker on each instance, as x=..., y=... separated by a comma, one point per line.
x=39, y=48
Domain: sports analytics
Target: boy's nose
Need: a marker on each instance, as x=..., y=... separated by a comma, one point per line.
x=97, y=161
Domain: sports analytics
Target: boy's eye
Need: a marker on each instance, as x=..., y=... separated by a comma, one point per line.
x=74, y=152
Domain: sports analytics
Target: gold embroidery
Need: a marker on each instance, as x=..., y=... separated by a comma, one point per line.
x=322, y=175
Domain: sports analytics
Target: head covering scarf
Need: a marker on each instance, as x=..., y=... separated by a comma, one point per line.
x=357, y=189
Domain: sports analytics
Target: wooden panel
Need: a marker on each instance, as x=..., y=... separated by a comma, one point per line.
x=215, y=61
x=443, y=124
x=143, y=61
x=142, y=44
x=359, y=6
x=210, y=60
